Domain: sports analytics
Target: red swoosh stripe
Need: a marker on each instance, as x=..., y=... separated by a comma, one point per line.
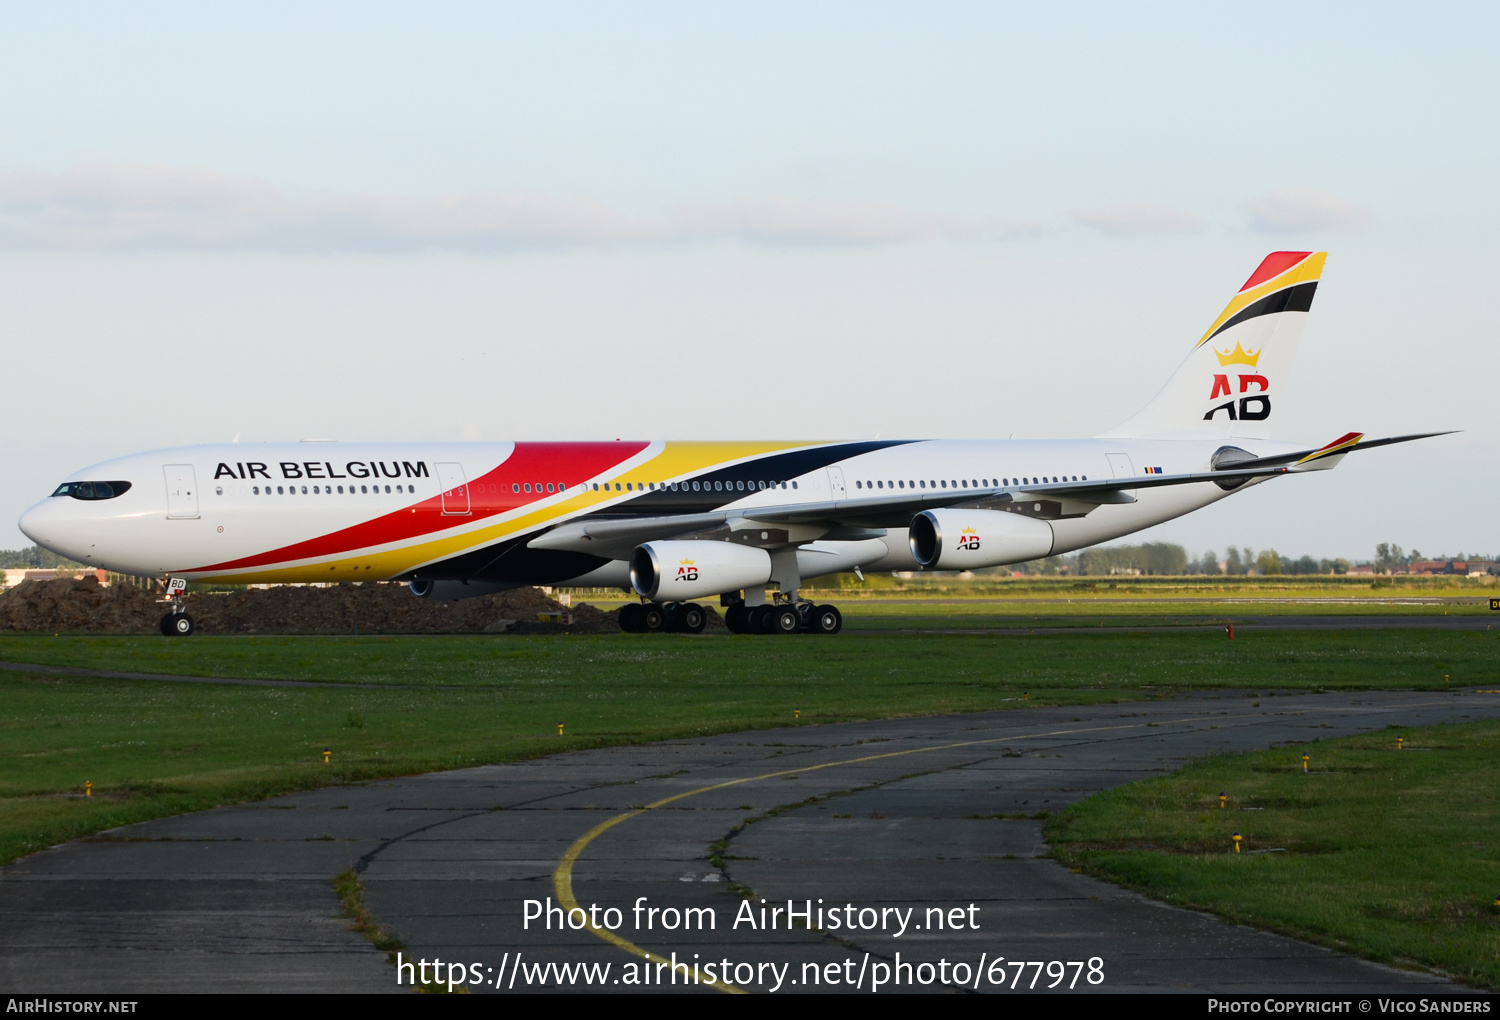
x=489, y=495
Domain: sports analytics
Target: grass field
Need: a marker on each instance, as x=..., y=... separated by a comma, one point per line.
x=153, y=747
x=1387, y=854
x=928, y=602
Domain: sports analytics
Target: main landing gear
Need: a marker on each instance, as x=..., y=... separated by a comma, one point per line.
x=657, y=618
x=784, y=618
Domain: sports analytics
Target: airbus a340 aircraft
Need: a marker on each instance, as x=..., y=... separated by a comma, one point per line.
x=746, y=522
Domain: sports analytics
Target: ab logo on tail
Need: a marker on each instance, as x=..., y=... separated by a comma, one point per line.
x=1254, y=407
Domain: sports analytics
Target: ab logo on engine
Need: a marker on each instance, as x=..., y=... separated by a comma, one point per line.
x=968, y=541
x=687, y=570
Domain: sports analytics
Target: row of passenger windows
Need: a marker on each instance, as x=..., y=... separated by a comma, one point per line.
x=962, y=483
x=324, y=490
x=695, y=486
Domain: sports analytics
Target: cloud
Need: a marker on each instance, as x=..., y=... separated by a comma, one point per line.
x=115, y=208
x=1131, y=220
x=1299, y=209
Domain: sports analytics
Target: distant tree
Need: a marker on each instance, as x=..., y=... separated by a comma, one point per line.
x=1388, y=556
x=1210, y=562
x=1232, y=564
x=1269, y=562
x=1150, y=558
x=33, y=558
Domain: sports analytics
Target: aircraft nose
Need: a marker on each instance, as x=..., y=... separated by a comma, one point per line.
x=47, y=525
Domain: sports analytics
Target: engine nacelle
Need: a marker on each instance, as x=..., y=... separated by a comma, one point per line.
x=679, y=571
x=452, y=591
x=956, y=539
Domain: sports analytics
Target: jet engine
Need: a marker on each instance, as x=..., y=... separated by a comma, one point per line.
x=951, y=538
x=680, y=571
x=452, y=591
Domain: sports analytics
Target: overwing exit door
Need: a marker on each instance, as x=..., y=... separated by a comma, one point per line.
x=455, y=489
x=836, y=482
x=182, y=491
x=1120, y=466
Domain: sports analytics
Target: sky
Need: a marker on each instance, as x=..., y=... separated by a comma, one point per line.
x=520, y=221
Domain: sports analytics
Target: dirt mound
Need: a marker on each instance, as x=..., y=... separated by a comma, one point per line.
x=86, y=605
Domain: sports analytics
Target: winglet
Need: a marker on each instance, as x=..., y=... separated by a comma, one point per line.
x=1339, y=446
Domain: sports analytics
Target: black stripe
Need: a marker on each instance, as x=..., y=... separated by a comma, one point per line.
x=1296, y=298
x=771, y=467
x=511, y=560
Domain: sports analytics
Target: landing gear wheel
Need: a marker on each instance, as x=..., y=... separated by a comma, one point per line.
x=760, y=620
x=177, y=625
x=653, y=619
x=691, y=618
x=737, y=618
x=784, y=620
x=825, y=620
x=632, y=618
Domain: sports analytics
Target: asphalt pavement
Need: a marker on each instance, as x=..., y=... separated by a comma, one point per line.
x=910, y=835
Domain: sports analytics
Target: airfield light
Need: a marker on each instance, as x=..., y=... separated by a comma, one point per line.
x=1304, y=763
x=326, y=755
x=1398, y=742
x=1236, y=842
x=559, y=729
x=88, y=788
x=796, y=713
x=1222, y=799
x=1229, y=629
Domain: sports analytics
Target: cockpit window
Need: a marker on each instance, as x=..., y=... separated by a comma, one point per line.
x=92, y=490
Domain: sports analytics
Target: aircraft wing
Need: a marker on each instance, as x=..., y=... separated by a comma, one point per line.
x=862, y=517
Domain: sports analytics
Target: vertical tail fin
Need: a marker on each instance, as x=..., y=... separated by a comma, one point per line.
x=1235, y=376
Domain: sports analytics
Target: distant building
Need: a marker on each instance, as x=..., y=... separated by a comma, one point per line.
x=14, y=576
x=1469, y=568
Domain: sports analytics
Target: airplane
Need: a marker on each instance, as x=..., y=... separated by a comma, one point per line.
x=675, y=522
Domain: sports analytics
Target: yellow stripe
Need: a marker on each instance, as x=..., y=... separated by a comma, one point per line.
x=1332, y=449
x=674, y=461
x=562, y=877
x=1309, y=269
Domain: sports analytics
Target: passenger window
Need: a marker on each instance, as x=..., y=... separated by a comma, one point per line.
x=304, y=490
x=549, y=486
x=363, y=489
x=255, y=490
x=218, y=490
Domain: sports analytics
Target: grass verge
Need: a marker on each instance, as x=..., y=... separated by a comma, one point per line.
x=154, y=748
x=1387, y=854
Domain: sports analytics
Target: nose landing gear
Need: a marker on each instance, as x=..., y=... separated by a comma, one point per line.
x=177, y=623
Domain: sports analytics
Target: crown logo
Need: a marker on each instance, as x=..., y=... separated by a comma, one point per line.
x=1238, y=356
x=970, y=531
